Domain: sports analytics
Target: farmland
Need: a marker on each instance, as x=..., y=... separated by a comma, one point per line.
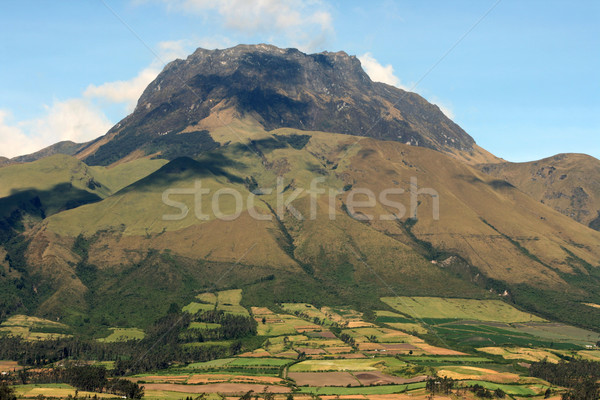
x=306, y=350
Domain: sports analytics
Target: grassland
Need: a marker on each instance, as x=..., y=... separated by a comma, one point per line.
x=33, y=328
x=57, y=390
x=467, y=309
x=370, y=364
x=226, y=300
x=123, y=335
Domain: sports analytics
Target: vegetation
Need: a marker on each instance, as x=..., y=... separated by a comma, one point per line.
x=579, y=375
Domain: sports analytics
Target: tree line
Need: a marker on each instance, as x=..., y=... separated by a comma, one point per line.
x=579, y=376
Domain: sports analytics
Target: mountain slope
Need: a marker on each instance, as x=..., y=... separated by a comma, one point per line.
x=489, y=236
x=286, y=144
x=569, y=183
x=278, y=88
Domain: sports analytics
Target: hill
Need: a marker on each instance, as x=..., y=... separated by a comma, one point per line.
x=489, y=236
x=319, y=186
x=569, y=183
x=277, y=88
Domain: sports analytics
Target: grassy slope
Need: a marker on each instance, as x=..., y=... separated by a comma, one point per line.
x=436, y=307
x=569, y=183
x=505, y=234
x=45, y=174
x=122, y=175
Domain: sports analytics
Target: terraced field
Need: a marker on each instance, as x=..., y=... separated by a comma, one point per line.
x=308, y=351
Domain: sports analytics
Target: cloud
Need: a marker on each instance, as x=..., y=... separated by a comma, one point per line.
x=77, y=120
x=128, y=92
x=444, y=107
x=304, y=24
x=378, y=72
x=82, y=119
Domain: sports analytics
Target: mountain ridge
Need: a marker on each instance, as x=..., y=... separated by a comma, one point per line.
x=280, y=88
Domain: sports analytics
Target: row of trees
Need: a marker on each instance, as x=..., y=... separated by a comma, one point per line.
x=580, y=376
x=91, y=378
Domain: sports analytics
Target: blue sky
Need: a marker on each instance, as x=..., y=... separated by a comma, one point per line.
x=524, y=82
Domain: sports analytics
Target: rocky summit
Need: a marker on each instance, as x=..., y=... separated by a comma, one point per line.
x=327, y=92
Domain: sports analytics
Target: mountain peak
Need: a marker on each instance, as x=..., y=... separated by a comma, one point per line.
x=327, y=91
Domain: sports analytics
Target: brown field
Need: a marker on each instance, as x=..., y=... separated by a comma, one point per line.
x=256, y=353
x=310, y=351
x=369, y=378
x=228, y=388
x=339, y=350
x=7, y=366
x=370, y=346
x=399, y=346
x=475, y=373
x=261, y=311
x=350, y=355
x=162, y=378
x=216, y=378
x=521, y=353
x=324, y=378
x=438, y=351
x=359, y=324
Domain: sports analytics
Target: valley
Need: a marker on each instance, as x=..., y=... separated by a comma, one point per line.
x=302, y=350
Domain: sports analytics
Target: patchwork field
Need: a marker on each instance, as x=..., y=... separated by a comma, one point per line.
x=32, y=328
x=226, y=300
x=334, y=353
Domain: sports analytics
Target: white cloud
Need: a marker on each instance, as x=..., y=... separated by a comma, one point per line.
x=303, y=24
x=128, y=92
x=378, y=72
x=81, y=119
x=77, y=120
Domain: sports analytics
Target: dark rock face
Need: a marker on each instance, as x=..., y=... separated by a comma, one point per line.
x=284, y=88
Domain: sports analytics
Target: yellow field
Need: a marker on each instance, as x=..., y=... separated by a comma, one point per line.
x=475, y=373
x=521, y=353
x=123, y=335
x=469, y=309
x=24, y=326
x=56, y=390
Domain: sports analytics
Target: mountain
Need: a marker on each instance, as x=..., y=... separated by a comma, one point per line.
x=569, y=183
x=277, y=88
x=275, y=138
x=65, y=147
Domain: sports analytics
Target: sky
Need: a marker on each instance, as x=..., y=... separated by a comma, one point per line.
x=521, y=77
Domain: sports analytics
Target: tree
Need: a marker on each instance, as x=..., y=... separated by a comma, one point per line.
x=7, y=392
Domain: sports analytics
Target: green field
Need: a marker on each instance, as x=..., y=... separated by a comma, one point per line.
x=240, y=362
x=33, y=328
x=467, y=309
x=518, y=390
x=343, y=391
x=204, y=325
x=123, y=335
x=194, y=307
x=368, y=364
